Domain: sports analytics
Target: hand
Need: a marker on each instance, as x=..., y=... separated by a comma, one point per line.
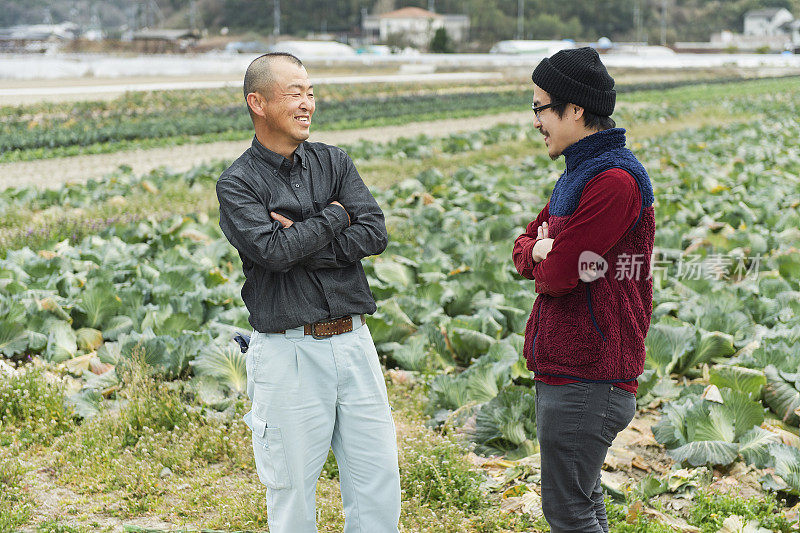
x=541, y=231
x=541, y=249
x=345, y=210
x=543, y=244
x=285, y=222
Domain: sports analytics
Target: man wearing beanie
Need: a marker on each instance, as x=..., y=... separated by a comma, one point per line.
x=588, y=252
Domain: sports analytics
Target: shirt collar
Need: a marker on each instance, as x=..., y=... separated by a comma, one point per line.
x=276, y=160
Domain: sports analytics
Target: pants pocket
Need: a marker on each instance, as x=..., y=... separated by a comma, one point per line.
x=619, y=412
x=270, y=454
x=378, y=386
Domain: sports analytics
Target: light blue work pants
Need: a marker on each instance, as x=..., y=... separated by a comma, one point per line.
x=310, y=395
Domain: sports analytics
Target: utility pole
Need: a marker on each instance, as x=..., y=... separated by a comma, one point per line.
x=520, y=19
x=131, y=12
x=276, y=19
x=663, y=22
x=432, y=6
x=94, y=19
x=193, y=14
x=637, y=20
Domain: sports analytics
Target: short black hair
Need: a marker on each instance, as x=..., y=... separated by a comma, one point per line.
x=258, y=78
x=590, y=120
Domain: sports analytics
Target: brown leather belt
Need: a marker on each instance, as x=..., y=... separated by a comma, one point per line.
x=328, y=328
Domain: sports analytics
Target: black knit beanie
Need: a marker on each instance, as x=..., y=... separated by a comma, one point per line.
x=579, y=77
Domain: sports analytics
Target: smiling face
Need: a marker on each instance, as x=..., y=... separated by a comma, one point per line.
x=287, y=109
x=559, y=132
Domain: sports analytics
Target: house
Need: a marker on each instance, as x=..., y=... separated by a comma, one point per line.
x=414, y=25
x=773, y=29
x=159, y=41
x=766, y=22
x=36, y=37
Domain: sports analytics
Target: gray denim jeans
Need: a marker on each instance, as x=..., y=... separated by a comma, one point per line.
x=575, y=425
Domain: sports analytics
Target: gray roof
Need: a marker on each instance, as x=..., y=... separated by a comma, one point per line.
x=38, y=32
x=768, y=13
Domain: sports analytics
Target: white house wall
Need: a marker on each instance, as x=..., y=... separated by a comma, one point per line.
x=761, y=25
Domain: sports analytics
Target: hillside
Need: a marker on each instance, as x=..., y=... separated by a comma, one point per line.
x=491, y=20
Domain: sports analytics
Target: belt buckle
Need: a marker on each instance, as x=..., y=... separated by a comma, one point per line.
x=317, y=336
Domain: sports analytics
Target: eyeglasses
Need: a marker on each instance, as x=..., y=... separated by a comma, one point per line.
x=537, y=110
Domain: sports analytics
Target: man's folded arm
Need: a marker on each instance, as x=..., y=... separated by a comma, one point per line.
x=248, y=226
x=366, y=235
x=610, y=203
x=523, y=245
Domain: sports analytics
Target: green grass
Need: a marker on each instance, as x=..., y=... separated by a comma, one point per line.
x=618, y=521
x=156, y=428
x=15, y=509
x=112, y=468
x=32, y=411
x=707, y=511
x=55, y=526
x=711, y=509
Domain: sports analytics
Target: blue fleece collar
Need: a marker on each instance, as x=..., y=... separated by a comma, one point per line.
x=593, y=146
x=589, y=157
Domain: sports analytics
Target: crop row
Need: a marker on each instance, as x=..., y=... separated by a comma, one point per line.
x=132, y=104
x=121, y=184
x=734, y=103
x=80, y=132
x=148, y=102
x=103, y=127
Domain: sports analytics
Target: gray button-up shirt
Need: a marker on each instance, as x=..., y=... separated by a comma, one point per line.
x=310, y=271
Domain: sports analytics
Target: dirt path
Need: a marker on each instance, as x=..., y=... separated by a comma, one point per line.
x=51, y=173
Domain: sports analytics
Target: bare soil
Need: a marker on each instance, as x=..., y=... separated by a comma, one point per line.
x=52, y=173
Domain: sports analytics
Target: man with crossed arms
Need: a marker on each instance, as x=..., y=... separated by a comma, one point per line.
x=301, y=219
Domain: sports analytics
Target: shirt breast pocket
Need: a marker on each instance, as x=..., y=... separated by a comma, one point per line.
x=323, y=194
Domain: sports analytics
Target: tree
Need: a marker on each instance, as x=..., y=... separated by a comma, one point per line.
x=547, y=26
x=440, y=44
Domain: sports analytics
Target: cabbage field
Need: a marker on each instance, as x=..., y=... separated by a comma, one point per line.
x=122, y=391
